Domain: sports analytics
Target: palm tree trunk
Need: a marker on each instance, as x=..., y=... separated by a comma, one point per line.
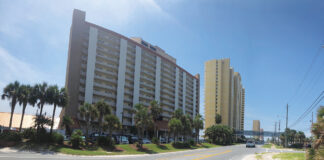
x=13, y=103
x=53, y=119
x=22, y=116
x=41, y=109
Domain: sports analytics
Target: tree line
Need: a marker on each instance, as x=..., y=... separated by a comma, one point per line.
x=39, y=95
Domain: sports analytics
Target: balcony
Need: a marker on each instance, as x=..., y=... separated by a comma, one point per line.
x=104, y=94
x=147, y=85
x=108, y=64
x=166, y=115
x=104, y=86
x=110, y=73
x=147, y=91
x=148, y=79
x=105, y=79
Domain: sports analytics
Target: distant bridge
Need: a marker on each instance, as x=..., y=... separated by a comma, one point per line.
x=254, y=133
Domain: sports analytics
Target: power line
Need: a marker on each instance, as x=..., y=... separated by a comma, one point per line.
x=306, y=74
x=309, y=109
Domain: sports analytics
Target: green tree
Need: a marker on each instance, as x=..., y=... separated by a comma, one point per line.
x=218, y=119
x=155, y=111
x=88, y=112
x=111, y=123
x=178, y=113
x=142, y=119
x=42, y=95
x=67, y=122
x=40, y=121
x=186, y=122
x=198, y=124
x=103, y=109
x=11, y=92
x=25, y=96
x=175, y=126
x=318, y=129
x=57, y=98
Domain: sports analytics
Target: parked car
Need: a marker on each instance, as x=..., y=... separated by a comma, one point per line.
x=163, y=140
x=132, y=139
x=66, y=138
x=250, y=144
x=146, y=141
x=124, y=140
x=170, y=140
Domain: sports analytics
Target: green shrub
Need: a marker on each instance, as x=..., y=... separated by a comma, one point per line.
x=76, y=138
x=311, y=154
x=57, y=138
x=155, y=140
x=181, y=145
x=192, y=142
x=29, y=133
x=11, y=136
x=105, y=141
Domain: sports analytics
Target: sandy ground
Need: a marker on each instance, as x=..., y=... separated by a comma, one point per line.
x=265, y=156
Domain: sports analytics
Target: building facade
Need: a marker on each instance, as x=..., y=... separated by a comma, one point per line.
x=122, y=71
x=224, y=94
x=256, y=128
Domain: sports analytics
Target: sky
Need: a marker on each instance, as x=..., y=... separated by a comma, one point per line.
x=275, y=45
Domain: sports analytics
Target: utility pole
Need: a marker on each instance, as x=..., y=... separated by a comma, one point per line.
x=286, y=140
x=275, y=133
x=279, y=133
x=312, y=118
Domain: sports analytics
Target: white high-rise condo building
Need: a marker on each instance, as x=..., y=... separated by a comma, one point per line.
x=122, y=71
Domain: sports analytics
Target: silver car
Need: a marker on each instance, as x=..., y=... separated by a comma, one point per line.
x=250, y=144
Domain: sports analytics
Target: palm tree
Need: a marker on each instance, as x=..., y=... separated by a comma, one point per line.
x=142, y=119
x=103, y=109
x=156, y=112
x=178, y=113
x=67, y=122
x=198, y=124
x=26, y=96
x=218, y=118
x=11, y=92
x=111, y=123
x=175, y=126
x=88, y=112
x=57, y=98
x=41, y=93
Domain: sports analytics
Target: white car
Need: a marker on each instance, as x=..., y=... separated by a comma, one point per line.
x=146, y=141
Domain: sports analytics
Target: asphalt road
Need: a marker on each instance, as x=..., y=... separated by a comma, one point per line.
x=235, y=152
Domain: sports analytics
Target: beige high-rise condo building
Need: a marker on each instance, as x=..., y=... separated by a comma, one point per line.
x=122, y=71
x=224, y=94
x=256, y=128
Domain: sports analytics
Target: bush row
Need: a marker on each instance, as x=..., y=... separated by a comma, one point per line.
x=38, y=137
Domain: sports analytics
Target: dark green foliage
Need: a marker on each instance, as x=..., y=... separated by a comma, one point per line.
x=155, y=140
x=218, y=119
x=76, y=138
x=10, y=136
x=57, y=138
x=29, y=133
x=219, y=134
x=192, y=142
x=106, y=142
x=181, y=145
x=311, y=154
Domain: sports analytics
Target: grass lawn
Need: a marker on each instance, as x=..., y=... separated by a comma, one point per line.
x=128, y=149
x=267, y=146
x=290, y=156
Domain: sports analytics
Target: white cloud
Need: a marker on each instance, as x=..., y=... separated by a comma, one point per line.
x=11, y=69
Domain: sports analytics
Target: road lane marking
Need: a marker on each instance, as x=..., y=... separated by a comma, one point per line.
x=211, y=155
